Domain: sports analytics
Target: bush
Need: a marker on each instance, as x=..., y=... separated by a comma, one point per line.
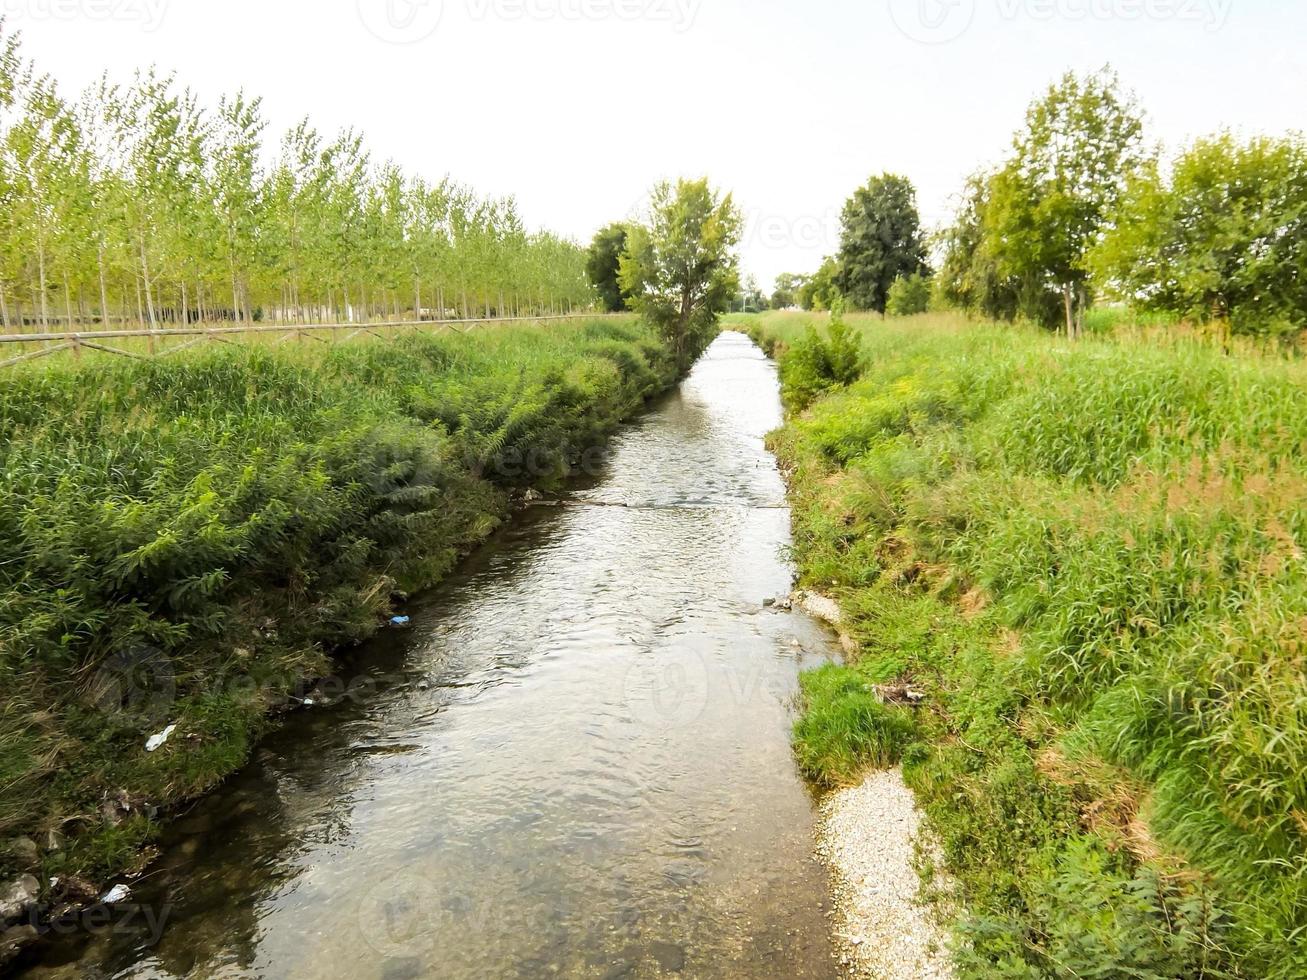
x=909, y=295
x=816, y=365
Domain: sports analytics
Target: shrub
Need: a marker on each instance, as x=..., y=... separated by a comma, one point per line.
x=909, y=295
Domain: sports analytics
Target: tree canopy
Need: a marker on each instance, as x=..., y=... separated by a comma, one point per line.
x=1048, y=206
x=881, y=239
x=680, y=269
x=1223, y=236
x=603, y=266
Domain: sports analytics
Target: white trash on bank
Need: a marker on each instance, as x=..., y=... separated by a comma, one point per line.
x=156, y=742
x=116, y=895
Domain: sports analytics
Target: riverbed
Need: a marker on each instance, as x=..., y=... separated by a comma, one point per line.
x=575, y=762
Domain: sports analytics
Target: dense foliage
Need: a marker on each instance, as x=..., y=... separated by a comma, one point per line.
x=680, y=269
x=909, y=295
x=1221, y=237
x=1048, y=205
x=880, y=240
x=603, y=265
x=135, y=202
x=1090, y=557
x=185, y=540
x=1081, y=208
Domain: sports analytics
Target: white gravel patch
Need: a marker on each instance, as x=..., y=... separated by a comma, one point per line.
x=867, y=837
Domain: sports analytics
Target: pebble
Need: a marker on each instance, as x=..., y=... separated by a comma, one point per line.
x=867, y=837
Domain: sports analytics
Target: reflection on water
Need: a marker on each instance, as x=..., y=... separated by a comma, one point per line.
x=577, y=763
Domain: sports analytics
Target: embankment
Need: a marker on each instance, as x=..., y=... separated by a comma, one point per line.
x=185, y=542
x=1090, y=560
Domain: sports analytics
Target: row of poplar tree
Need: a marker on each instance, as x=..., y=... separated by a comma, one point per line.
x=136, y=204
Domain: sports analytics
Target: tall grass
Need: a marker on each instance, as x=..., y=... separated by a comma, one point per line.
x=1092, y=555
x=185, y=541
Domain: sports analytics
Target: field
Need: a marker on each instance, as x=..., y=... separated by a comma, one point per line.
x=186, y=541
x=1089, y=558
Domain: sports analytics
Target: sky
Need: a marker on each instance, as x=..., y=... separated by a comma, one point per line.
x=577, y=107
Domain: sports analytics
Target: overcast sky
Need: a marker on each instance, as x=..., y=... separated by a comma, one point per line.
x=578, y=106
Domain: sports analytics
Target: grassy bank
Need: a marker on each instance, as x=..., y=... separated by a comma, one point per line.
x=185, y=542
x=1090, y=558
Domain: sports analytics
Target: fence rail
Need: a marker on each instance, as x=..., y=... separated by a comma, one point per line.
x=79, y=340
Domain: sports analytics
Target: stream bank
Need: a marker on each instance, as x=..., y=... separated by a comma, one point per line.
x=576, y=760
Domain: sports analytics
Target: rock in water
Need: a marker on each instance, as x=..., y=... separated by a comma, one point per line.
x=13, y=941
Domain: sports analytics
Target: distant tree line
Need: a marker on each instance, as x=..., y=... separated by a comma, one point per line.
x=1083, y=210
x=135, y=202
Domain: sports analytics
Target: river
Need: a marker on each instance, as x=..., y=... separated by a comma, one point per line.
x=575, y=762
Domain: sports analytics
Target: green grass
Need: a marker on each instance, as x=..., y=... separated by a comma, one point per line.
x=185, y=541
x=1092, y=557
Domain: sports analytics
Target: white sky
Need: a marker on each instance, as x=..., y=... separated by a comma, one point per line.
x=578, y=106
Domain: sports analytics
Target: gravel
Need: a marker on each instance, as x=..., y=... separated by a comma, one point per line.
x=867, y=837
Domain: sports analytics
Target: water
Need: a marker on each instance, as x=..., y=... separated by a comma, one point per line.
x=577, y=762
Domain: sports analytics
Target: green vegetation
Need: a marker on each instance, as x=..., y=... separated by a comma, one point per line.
x=1082, y=210
x=1045, y=208
x=1221, y=239
x=909, y=295
x=603, y=264
x=185, y=541
x=1089, y=557
x=136, y=203
x=880, y=240
x=680, y=270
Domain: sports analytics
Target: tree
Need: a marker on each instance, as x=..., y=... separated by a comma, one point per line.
x=680, y=270
x=1082, y=143
x=1222, y=239
x=819, y=291
x=969, y=276
x=786, y=294
x=603, y=265
x=881, y=239
x=752, y=298
x=909, y=295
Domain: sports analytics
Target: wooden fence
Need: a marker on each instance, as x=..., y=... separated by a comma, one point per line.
x=162, y=341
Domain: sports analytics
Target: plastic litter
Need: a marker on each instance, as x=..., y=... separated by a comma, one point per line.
x=116, y=894
x=400, y=621
x=155, y=742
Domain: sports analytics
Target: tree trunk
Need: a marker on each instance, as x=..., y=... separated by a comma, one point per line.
x=1070, y=313
x=104, y=289
x=45, y=312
